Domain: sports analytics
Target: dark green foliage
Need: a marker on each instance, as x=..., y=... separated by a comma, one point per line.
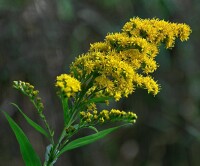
x=29, y=155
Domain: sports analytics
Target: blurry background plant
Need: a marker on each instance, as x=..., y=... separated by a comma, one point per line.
x=39, y=36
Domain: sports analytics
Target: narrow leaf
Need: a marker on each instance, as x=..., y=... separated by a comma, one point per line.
x=32, y=123
x=93, y=128
x=87, y=139
x=29, y=155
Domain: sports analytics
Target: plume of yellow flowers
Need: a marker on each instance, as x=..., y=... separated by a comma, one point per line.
x=125, y=60
x=113, y=68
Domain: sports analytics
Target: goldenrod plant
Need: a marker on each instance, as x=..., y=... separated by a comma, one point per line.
x=111, y=69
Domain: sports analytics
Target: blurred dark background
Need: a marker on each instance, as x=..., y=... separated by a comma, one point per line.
x=40, y=38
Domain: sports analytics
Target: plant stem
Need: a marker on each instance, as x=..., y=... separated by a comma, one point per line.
x=51, y=133
x=65, y=106
x=52, y=154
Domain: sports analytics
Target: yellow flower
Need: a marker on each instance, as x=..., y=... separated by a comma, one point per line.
x=157, y=31
x=67, y=85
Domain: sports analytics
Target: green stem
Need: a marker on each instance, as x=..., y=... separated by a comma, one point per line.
x=66, y=111
x=54, y=150
x=51, y=133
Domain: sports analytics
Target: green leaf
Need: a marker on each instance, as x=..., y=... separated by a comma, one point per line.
x=93, y=128
x=29, y=155
x=87, y=139
x=32, y=123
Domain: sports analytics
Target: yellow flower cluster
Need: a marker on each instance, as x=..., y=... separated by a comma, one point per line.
x=125, y=60
x=104, y=116
x=67, y=85
x=110, y=75
x=28, y=90
x=156, y=31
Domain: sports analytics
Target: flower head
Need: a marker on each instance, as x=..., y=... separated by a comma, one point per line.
x=67, y=85
x=29, y=90
x=157, y=31
x=104, y=116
